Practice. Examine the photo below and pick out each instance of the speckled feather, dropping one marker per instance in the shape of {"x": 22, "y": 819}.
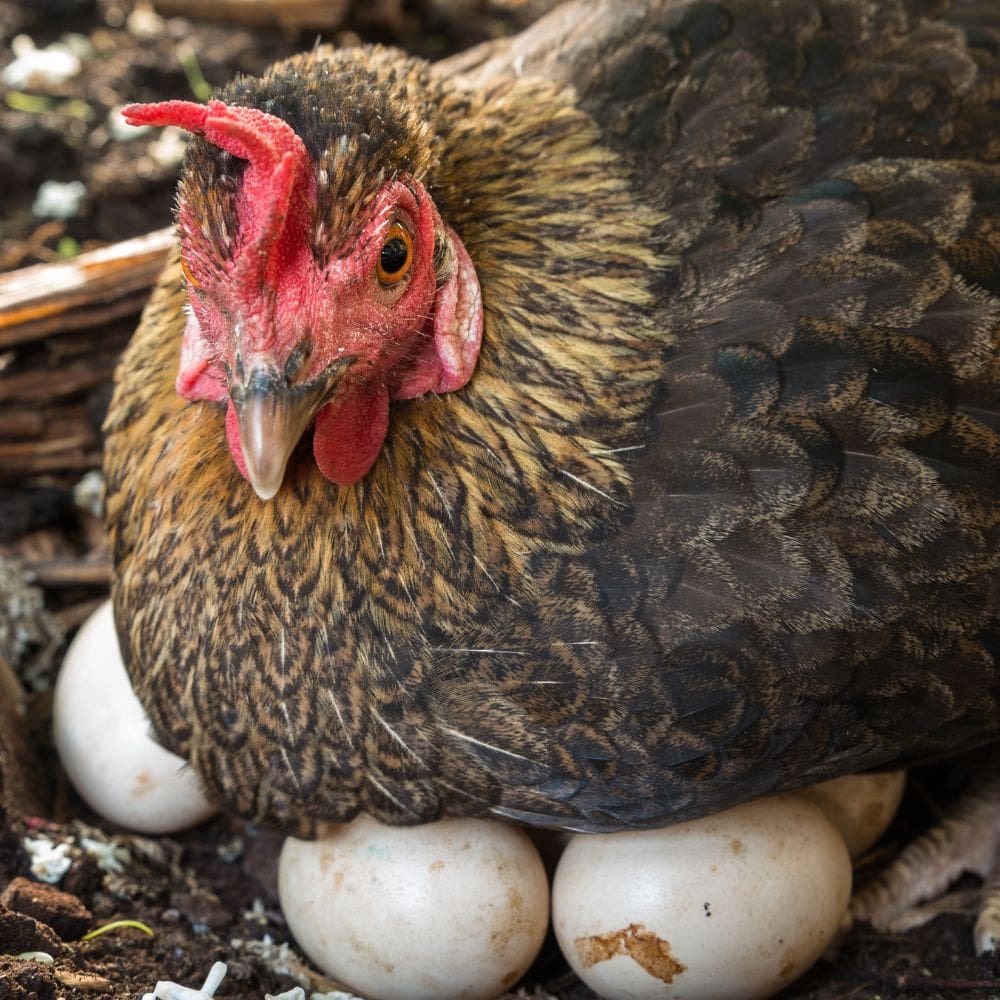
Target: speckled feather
{"x": 718, "y": 512}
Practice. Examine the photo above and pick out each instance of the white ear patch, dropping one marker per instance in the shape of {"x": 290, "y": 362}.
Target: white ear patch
{"x": 198, "y": 377}
{"x": 458, "y": 332}
{"x": 459, "y": 337}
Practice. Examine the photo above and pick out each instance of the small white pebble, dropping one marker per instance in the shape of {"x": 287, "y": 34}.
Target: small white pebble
{"x": 295, "y": 993}
{"x": 59, "y": 200}
{"x": 39, "y": 69}
{"x": 36, "y": 956}
{"x": 49, "y": 861}
{"x": 88, "y": 493}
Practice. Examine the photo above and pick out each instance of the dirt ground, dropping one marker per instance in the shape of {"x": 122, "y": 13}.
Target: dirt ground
{"x": 209, "y": 894}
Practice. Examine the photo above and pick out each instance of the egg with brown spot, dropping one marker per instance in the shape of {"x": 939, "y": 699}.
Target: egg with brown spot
{"x": 457, "y": 908}
{"x": 737, "y": 904}
{"x": 860, "y": 806}
{"x": 103, "y": 737}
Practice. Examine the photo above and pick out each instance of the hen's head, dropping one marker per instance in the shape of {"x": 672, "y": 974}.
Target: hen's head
{"x": 317, "y": 293}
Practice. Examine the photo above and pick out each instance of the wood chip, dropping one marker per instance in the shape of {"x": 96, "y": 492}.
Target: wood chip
{"x": 68, "y": 572}
{"x": 82, "y": 981}
{"x": 91, "y": 289}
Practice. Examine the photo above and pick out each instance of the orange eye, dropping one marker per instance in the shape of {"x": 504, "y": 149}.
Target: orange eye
{"x": 186, "y": 270}
{"x": 396, "y": 257}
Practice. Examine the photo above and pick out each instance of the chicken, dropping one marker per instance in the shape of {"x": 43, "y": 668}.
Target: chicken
{"x": 597, "y": 431}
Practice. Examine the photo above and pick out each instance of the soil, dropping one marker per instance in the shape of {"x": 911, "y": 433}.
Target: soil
{"x": 209, "y": 894}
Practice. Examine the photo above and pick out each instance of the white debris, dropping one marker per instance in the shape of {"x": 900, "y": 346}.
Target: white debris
{"x": 120, "y": 129}
{"x": 257, "y": 914}
{"x": 541, "y": 994}
{"x": 168, "y": 150}
{"x": 58, "y": 199}
{"x": 39, "y": 69}
{"x": 110, "y": 857}
{"x": 79, "y": 45}
{"x": 279, "y": 958}
{"x": 232, "y": 850}
{"x": 88, "y": 494}
{"x": 24, "y": 625}
{"x": 144, "y": 22}
{"x": 173, "y": 991}
{"x": 49, "y": 861}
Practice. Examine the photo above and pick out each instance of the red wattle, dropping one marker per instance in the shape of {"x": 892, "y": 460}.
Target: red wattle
{"x": 349, "y": 434}
{"x": 234, "y": 442}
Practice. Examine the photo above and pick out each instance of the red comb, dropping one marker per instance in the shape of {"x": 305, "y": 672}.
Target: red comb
{"x": 277, "y": 189}
{"x": 249, "y": 133}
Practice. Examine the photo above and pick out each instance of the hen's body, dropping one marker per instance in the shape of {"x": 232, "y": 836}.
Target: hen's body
{"x": 718, "y": 512}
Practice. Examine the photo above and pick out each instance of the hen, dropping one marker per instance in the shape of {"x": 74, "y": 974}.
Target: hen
{"x": 715, "y": 514}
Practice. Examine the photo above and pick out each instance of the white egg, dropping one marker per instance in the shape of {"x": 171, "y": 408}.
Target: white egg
{"x": 860, "y": 806}
{"x": 735, "y": 905}
{"x": 457, "y": 908}
{"x": 102, "y": 734}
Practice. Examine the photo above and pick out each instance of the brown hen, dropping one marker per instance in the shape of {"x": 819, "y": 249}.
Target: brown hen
{"x": 715, "y": 514}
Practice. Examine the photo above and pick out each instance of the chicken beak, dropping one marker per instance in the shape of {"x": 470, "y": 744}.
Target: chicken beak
{"x": 273, "y": 416}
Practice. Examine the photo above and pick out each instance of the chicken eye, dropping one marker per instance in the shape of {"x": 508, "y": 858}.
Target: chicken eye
{"x": 396, "y": 256}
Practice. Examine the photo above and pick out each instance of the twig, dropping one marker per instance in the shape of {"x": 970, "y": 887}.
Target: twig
{"x": 63, "y": 461}
{"x": 906, "y": 982}
{"x": 31, "y": 386}
{"x": 22, "y": 424}
{"x": 83, "y": 981}
{"x": 94, "y": 288}
{"x": 25, "y": 449}
{"x": 71, "y": 572}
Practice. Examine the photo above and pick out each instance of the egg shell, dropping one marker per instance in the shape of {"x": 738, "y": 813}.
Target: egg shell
{"x": 103, "y": 737}
{"x": 735, "y": 905}
{"x": 456, "y": 908}
{"x": 860, "y": 806}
